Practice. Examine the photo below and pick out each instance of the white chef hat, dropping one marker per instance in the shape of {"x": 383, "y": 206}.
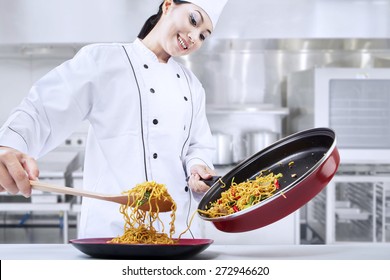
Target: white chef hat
{"x": 213, "y": 8}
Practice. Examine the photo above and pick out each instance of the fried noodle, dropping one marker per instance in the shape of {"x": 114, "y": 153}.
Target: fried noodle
{"x": 139, "y": 225}
{"x": 243, "y": 195}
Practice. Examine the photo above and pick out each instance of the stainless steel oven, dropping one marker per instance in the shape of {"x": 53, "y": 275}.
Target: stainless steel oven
{"x": 355, "y": 102}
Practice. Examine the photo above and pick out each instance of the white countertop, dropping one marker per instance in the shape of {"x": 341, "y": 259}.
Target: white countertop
{"x": 365, "y": 251}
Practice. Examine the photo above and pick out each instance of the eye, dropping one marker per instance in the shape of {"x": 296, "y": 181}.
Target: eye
{"x": 202, "y": 37}
{"x": 193, "y": 20}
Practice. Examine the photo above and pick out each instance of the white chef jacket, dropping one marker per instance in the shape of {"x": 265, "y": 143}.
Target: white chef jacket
{"x": 147, "y": 122}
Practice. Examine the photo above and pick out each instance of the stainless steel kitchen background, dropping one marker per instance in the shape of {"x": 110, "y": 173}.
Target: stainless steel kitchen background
{"x": 244, "y": 70}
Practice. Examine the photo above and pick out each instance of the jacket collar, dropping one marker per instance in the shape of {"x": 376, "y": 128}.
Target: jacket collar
{"x": 144, "y": 51}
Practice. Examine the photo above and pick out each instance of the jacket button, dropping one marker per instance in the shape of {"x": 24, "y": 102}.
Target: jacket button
{"x": 177, "y": 75}
{"x": 186, "y": 189}
{"x": 185, "y": 98}
{"x": 146, "y": 66}
{"x": 155, "y": 121}
{"x": 152, "y": 90}
{"x": 155, "y": 155}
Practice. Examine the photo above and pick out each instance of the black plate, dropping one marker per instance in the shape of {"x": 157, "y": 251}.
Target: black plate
{"x": 99, "y": 248}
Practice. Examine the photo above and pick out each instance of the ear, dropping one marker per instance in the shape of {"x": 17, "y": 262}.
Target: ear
{"x": 166, "y": 5}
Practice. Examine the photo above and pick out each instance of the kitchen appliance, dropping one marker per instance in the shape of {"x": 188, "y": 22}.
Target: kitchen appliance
{"x": 315, "y": 161}
{"x": 99, "y": 248}
{"x": 255, "y": 141}
{"x": 354, "y": 102}
{"x": 223, "y": 143}
{"x": 237, "y": 120}
{"x": 353, "y": 207}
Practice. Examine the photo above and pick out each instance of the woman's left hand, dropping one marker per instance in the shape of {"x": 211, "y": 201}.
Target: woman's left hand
{"x": 200, "y": 172}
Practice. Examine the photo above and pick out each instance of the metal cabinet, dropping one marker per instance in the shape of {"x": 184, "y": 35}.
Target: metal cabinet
{"x": 352, "y": 208}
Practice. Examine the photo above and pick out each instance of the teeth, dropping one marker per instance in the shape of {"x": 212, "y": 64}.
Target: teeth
{"x": 182, "y": 43}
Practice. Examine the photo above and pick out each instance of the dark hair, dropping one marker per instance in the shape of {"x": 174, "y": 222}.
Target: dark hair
{"x": 152, "y": 21}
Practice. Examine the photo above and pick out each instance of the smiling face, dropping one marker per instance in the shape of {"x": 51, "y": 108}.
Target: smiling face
{"x": 181, "y": 30}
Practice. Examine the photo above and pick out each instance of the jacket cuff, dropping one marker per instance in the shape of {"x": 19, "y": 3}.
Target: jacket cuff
{"x": 10, "y": 138}
{"x": 195, "y": 161}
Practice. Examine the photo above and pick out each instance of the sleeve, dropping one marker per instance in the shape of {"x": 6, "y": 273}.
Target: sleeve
{"x": 54, "y": 107}
{"x": 201, "y": 147}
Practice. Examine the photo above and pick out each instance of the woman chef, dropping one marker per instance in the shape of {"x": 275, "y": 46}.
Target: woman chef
{"x": 146, "y": 114}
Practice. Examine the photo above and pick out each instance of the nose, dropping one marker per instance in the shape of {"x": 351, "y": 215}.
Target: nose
{"x": 190, "y": 37}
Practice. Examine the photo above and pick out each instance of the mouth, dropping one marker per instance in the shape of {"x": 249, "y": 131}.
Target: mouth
{"x": 182, "y": 43}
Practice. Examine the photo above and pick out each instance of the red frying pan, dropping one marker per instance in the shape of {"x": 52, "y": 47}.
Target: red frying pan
{"x": 316, "y": 160}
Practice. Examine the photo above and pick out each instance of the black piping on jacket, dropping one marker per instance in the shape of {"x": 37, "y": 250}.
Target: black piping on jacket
{"x": 141, "y": 115}
{"x": 185, "y": 142}
{"x": 192, "y": 114}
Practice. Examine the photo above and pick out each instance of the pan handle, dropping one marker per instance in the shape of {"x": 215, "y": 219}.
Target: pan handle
{"x": 208, "y": 182}
{"x": 211, "y": 181}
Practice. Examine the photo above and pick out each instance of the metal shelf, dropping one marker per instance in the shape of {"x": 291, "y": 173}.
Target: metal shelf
{"x": 365, "y": 200}
{"x": 48, "y": 208}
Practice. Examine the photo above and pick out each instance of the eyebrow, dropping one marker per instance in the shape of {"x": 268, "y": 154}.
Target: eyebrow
{"x": 201, "y": 16}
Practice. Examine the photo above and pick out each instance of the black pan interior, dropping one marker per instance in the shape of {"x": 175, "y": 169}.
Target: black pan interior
{"x": 304, "y": 151}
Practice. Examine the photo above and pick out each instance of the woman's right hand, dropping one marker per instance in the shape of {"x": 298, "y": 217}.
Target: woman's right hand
{"x": 16, "y": 169}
